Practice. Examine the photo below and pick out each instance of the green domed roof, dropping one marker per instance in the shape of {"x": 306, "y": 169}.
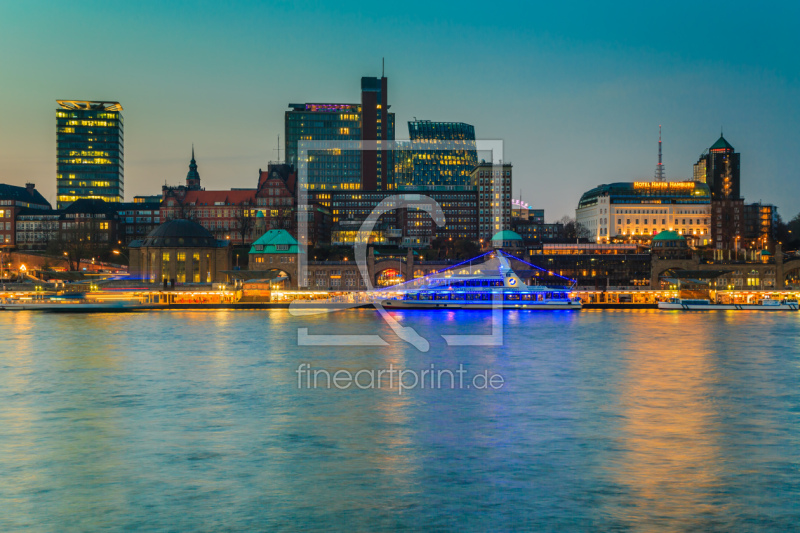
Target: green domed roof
{"x": 506, "y": 235}
{"x": 180, "y": 233}
{"x": 668, "y": 236}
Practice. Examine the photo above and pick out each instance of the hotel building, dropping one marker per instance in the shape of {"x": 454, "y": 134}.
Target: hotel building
{"x": 89, "y": 151}
{"x": 645, "y": 208}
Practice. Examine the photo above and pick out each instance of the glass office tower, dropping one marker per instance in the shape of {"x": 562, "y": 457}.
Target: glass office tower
{"x": 327, "y": 169}
{"x": 439, "y": 153}
{"x": 89, "y": 151}
{"x": 340, "y": 168}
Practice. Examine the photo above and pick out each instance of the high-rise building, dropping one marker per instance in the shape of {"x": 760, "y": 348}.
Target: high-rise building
{"x": 369, "y": 125}
{"x": 439, "y": 153}
{"x": 333, "y": 169}
{"x": 493, "y": 185}
{"x": 89, "y": 151}
{"x": 377, "y": 125}
{"x": 719, "y": 168}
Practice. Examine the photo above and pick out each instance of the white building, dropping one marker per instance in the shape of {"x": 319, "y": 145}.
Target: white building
{"x": 646, "y": 208}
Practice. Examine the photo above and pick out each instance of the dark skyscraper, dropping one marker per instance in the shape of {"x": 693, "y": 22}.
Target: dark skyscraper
{"x": 719, "y": 168}
{"x": 89, "y": 151}
{"x": 377, "y": 125}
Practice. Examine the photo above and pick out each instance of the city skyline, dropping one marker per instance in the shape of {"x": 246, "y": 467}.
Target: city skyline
{"x": 602, "y": 92}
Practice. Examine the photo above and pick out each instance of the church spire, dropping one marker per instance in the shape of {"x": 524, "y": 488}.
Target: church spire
{"x": 193, "y": 177}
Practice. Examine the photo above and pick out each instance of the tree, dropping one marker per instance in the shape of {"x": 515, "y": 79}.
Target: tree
{"x": 573, "y": 230}
{"x": 182, "y": 211}
{"x": 445, "y": 248}
{"x": 81, "y": 239}
{"x": 243, "y": 222}
{"x": 789, "y": 233}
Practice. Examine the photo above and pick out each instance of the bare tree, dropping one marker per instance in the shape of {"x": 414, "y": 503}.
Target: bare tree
{"x": 574, "y": 230}
{"x": 243, "y": 221}
{"x": 82, "y": 239}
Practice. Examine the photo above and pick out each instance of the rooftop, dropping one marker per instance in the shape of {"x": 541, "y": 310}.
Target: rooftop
{"x": 649, "y": 192}
{"x": 668, "y": 236}
{"x": 106, "y": 105}
{"x": 721, "y": 144}
{"x": 506, "y": 235}
{"x": 275, "y": 241}
{"x": 22, "y": 194}
{"x": 178, "y": 234}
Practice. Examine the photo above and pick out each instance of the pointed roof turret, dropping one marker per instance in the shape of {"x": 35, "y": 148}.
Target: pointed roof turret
{"x": 193, "y": 177}
{"x": 721, "y": 144}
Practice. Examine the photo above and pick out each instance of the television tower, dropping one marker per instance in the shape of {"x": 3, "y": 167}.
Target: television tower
{"x": 661, "y": 175}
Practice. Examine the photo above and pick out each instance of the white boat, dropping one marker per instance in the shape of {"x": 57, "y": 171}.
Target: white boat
{"x": 68, "y": 306}
{"x": 489, "y": 289}
{"x": 764, "y": 304}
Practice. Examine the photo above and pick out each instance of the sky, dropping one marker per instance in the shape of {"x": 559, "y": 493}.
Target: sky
{"x": 576, "y": 91}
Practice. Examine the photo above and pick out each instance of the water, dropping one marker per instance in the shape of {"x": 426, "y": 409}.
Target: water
{"x": 623, "y": 421}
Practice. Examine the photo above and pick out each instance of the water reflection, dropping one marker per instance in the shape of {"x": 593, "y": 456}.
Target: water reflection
{"x": 670, "y": 460}
{"x": 194, "y": 421}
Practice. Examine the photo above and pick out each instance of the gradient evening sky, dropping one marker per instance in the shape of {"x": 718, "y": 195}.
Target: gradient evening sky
{"x": 576, "y": 91}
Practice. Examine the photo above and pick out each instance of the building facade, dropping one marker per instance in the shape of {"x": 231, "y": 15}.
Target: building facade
{"x": 493, "y": 185}
{"x": 626, "y": 211}
{"x": 438, "y": 154}
{"x": 37, "y": 228}
{"x": 377, "y": 134}
{"x": 180, "y": 251}
{"x": 760, "y": 226}
{"x": 89, "y": 151}
{"x": 718, "y": 167}
{"x": 369, "y": 125}
{"x": 333, "y": 169}
{"x": 137, "y": 220}
{"x": 412, "y": 226}
{"x": 14, "y": 200}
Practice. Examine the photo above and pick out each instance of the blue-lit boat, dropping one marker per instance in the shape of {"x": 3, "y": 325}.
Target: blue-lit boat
{"x": 486, "y": 289}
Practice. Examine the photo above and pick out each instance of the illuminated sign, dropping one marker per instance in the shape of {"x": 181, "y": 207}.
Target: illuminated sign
{"x": 659, "y": 185}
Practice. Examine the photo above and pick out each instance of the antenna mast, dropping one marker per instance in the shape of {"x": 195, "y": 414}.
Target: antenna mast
{"x": 661, "y": 174}
{"x": 279, "y": 148}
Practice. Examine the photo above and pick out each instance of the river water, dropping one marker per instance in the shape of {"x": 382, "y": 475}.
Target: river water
{"x": 604, "y": 420}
